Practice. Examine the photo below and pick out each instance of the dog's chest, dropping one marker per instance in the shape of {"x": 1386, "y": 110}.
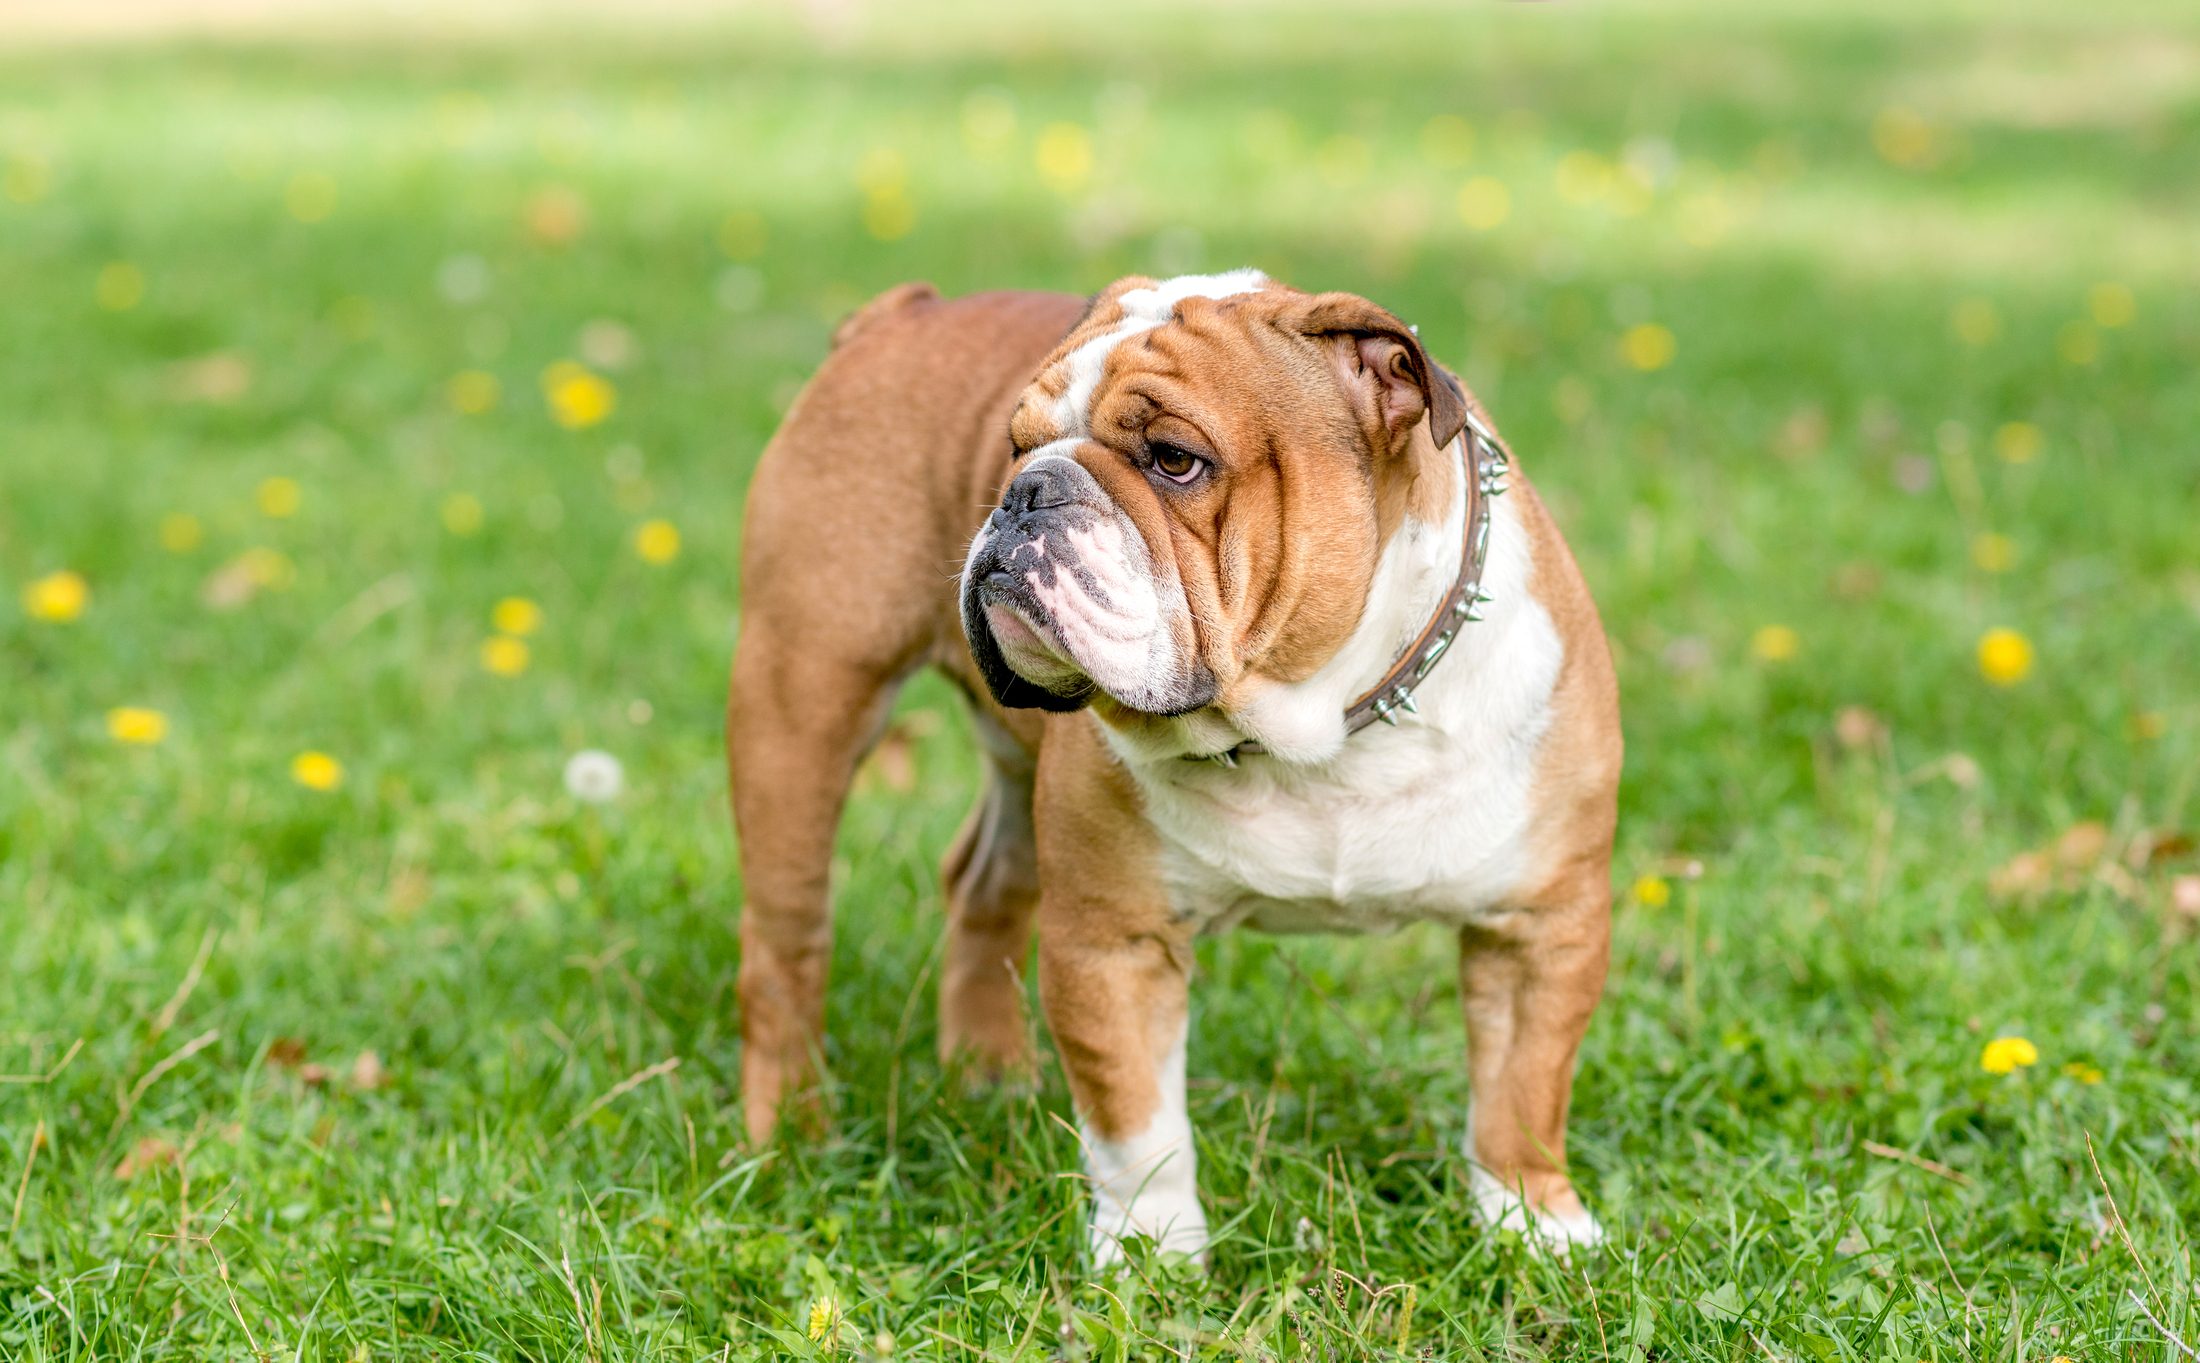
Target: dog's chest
{"x": 1428, "y": 821}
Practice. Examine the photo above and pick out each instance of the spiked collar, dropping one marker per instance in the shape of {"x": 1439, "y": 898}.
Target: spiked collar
{"x": 1393, "y": 695}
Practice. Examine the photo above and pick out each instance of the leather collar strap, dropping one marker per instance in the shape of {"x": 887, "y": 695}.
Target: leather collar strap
{"x": 1393, "y": 695}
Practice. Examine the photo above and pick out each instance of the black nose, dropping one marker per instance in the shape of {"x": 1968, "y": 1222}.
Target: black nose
{"x": 1041, "y": 486}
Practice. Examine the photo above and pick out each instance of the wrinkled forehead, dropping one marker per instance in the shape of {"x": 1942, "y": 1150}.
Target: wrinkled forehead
{"x": 1058, "y": 404}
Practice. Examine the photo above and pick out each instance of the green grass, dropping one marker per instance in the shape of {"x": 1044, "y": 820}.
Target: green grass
{"x": 186, "y": 934}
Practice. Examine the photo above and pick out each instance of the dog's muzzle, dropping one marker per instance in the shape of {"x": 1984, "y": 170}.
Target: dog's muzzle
{"x": 1060, "y": 599}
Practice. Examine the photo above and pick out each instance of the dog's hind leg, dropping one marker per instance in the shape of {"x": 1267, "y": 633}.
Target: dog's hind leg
{"x": 799, "y": 720}
{"x": 991, "y": 880}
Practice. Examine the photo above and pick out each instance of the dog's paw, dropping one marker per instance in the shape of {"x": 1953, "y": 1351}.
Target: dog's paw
{"x": 1173, "y": 1225}
{"x": 1558, "y": 1232}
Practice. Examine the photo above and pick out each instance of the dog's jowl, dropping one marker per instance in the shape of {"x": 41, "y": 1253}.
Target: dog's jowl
{"x": 1262, "y": 626}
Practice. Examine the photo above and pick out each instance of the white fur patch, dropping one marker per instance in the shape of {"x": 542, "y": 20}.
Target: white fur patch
{"x": 1502, "y": 1208}
{"x": 1143, "y": 310}
{"x": 1148, "y": 1183}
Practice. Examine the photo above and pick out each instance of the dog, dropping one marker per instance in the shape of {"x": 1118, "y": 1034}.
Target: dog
{"x": 1260, "y": 626}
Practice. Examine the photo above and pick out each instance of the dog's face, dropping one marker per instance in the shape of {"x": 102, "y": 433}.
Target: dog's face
{"x": 1206, "y": 470}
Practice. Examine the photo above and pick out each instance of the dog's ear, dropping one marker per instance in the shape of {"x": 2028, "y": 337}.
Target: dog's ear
{"x": 1384, "y": 369}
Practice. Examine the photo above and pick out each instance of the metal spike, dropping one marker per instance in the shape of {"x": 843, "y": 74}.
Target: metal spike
{"x": 1493, "y": 486}
{"x": 1384, "y": 712}
{"x": 1436, "y": 650}
{"x": 1406, "y": 702}
{"x": 1482, "y": 597}
{"x": 1474, "y": 611}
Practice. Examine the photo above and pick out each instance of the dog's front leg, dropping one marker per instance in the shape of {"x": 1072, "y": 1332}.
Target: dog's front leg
{"x": 1114, "y": 979}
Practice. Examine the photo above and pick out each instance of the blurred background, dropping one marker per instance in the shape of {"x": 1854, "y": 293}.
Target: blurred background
{"x": 378, "y": 387}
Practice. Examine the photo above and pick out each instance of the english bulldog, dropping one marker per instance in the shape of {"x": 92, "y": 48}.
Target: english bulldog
{"x": 1261, "y": 626}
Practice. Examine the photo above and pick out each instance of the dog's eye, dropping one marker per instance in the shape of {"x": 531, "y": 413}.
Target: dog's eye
{"x": 1176, "y": 465}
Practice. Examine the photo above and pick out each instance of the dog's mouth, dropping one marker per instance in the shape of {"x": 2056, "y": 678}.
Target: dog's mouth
{"x": 1013, "y": 640}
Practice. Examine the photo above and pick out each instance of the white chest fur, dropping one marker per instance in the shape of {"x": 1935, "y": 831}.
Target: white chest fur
{"x": 1428, "y": 820}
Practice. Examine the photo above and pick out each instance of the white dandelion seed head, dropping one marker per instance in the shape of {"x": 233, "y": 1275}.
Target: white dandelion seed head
{"x": 595, "y": 776}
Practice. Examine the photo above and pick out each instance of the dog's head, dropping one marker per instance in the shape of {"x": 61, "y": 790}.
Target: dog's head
{"x": 1205, "y": 472}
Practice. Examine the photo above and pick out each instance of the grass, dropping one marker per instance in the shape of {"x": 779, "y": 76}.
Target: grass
{"x": 1781, "y": 1112}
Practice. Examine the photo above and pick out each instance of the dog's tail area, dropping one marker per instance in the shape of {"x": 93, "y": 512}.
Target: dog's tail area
{"x": 893, "y": 300}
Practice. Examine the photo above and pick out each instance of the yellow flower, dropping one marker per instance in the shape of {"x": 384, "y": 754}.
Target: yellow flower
{"x": 1775, "y": 644}
{"x": 269, "y": 568}
{"x": 316, "y": 771}
{"x": 2004, "y": 657}
{"x": 742, "y": 235}
{"x": 1903, "y": 138}
{"x": 1064, "y": 156}
{"x": 2083, "y": 1073}
{"x": 823, "y": 1316}
{"x": 2112, "y": 305}
{"x": 1484, "y": 202}
{"x": 2079, "y": 343}
{"x": 180, "y": 532}
{"x": 516, "y": 615}
{"x": 1647, "y": 346}
{"x": 1975, "y": 322}
{"x": 120, "y": 286}
{"x": 278, "y": 498}
{"x": 27, "y": 180}
{"x": 1993, "y": 553}
{"x": 2147, "y": 725}
{"x": 578, "y": 398}
{"x": 472, "y": 392}
{"x": 888, "y": 214}
{"x": 504, "y": 655}
{"x": 657, "y": 541}
{"x": 310, "y": 196}
{"x": 1653, "y": 892}
{"x": 135, "y": 724}
{"x": 2018, "y": 442}
{"x": 2008, "y": 1054}
{"x": 461, "y": 512}
{"x": 1447, "y": 140}
{"x": 57, "y": 597}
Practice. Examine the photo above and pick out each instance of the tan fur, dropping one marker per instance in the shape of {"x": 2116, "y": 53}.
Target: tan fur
{"x": 860, "y": 513}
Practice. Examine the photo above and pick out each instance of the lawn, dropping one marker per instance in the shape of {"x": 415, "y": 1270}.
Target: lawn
{"x": 1852, "y": 346}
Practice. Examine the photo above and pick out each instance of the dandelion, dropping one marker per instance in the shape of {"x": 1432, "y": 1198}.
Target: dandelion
{"x": 180, "y": 532}
{"x": 461, "y": 513}
{"x": 1484, "y": 203}
{"x": 136, "y": 725}
{"x": 1652, "y": 892}
{"x": 516, "y": 616}
{"x": 1064, "y": 157}
{"x": 1903, "y": 138}
{"x": 27, "y": 180}
{"x": 742, "y": 235}
{"x": 1447, "y": 140}
{"x": 824, "y": 1315}
{"x": 1775, "y": 644}
{"x": 2112, "y": 305}
{"x": 278, "y": 498}
{"x": 1583, "y": 177}
{"x": 2146, "y": 726}
{"x": 2018, "y": 442}
{"x": 2004, "y": 657}
{"x": 578, "y": 398}
{"x": 2083, "y": 1073}
{"x": 1647, "y": 347}
{"x": 2079, "y": 344}
{"x": 119, "y": 287}
{"x": 1993, "y": 553}
{"x": 1975, "y": 322}
{"x": 657, "y": 541}
{"x": 316, "y": 771}
{"x": 504, "y": 655}
{"x": 595, "y": 776}
{"x": 472, "y": 392}
{"x": 268, "y": 568}
{"x": 2007, "y": 1055}
{"x": 57, "y": 597}
{"x": 888, "y": 214}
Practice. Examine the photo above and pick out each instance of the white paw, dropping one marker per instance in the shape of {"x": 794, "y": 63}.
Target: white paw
{"x": 1174, "y": 1222}
{"x": 1553, "y": 1232}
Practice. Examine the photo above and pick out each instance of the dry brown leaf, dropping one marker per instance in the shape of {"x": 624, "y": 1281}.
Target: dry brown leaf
{"x": 2152, "y": 845}
{"x": 2026, "y": 874}
{"x": 286, "y": 1052}
{"x": 2081, "y": 845}
{"x": 223, "y": 376}
{"x": 367, "y": 1072}
{"x": 1857, "y": 726}
{"x": 151, "y": 1152}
